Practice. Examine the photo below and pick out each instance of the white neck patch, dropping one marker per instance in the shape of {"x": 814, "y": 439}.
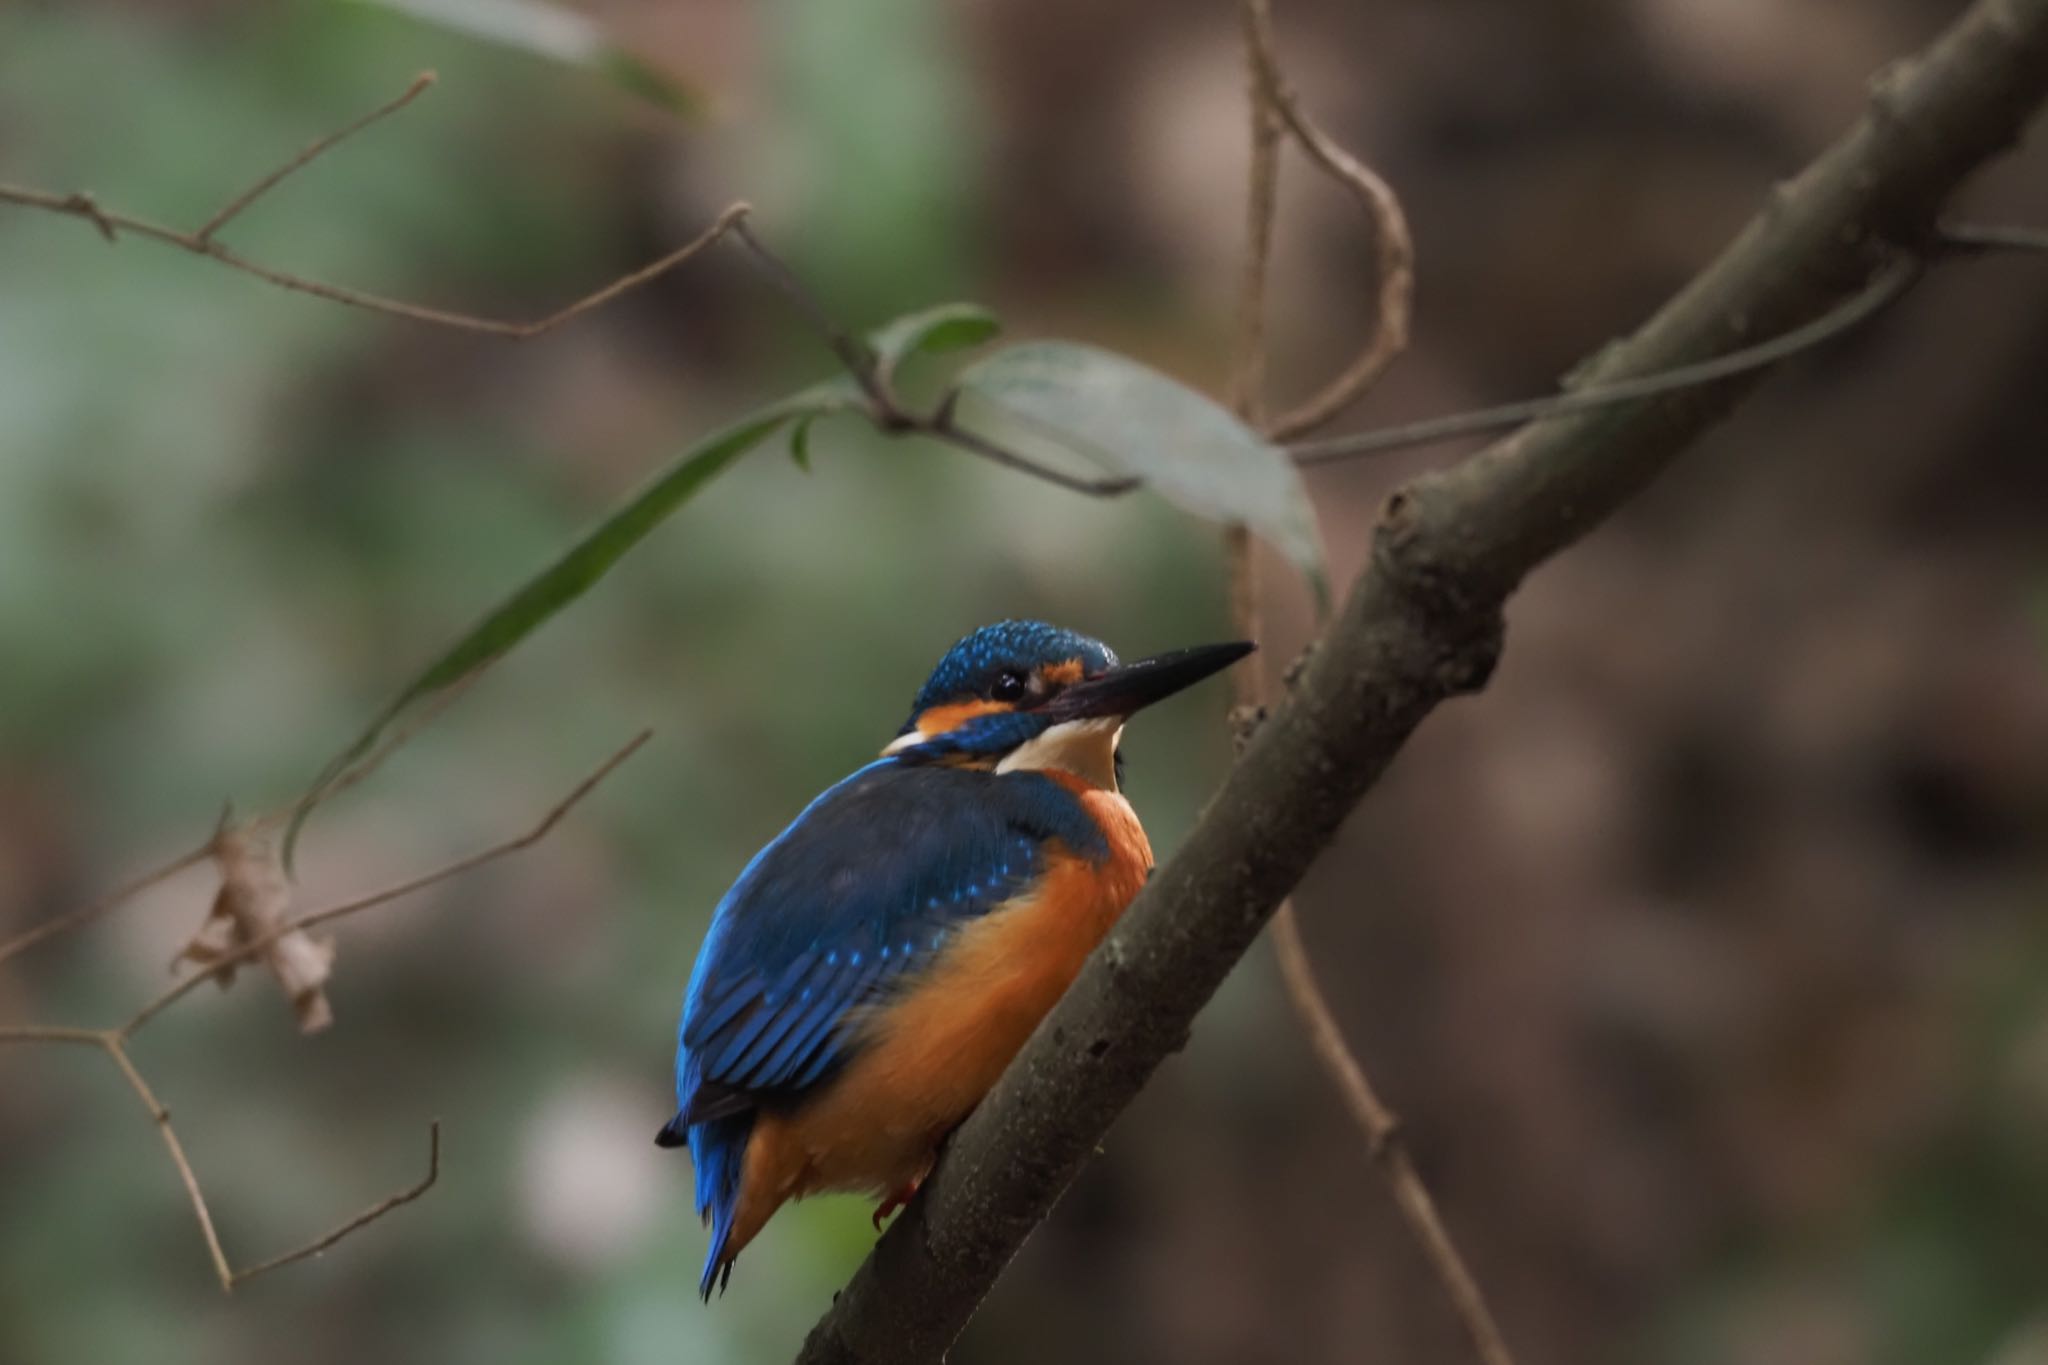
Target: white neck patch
{"x": 1085, "y": 748}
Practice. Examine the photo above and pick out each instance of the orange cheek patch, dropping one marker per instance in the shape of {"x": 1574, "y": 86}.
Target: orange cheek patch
{"x": 940, "y": 720}
{"x": 1068, "y": 671}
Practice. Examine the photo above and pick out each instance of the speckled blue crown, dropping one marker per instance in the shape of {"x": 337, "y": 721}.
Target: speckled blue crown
{"x": 971, "y": 666}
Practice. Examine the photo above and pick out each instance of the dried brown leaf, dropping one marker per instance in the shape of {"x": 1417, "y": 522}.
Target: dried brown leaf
{"x": 252, "y": 904}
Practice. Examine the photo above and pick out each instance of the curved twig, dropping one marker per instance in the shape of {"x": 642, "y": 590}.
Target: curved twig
{"x": 205, "y": 242}
{"x": 362, "y": 1220}
{"x": 250, "y": 948}
{"x": 1297, "y": 975}
{"x": 1395, "y": 264}
{"x": 1883, "y": 289}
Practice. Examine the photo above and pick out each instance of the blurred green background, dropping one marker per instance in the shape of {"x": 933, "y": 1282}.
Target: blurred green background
{"x": 1704, "y": 954}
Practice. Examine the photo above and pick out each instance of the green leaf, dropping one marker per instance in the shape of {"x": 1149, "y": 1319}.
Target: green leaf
{"x": 948, "y": 327}
{"x": 567, "y": 579}
{"x": 554, "y": 33}
{"x": 800, "y": 443}
{"x": 1067, "y": 399}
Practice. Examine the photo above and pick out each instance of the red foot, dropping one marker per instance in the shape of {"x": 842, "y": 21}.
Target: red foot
{"x": 896, "y": 1201}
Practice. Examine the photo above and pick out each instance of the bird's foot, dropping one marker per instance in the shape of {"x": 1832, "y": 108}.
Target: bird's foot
{"x": 896, "y": 1201}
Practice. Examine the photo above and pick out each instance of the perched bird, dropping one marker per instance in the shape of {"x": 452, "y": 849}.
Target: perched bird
{"x": 875, "y": 968}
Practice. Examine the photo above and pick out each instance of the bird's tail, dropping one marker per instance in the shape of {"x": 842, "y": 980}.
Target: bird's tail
{"x": 717, "y": 1149}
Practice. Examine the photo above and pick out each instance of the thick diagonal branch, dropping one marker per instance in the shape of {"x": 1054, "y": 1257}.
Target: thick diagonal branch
{"x": 1422, "y": 624}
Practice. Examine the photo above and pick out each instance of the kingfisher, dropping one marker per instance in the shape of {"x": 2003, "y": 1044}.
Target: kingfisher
{"x": 877, "y": 965}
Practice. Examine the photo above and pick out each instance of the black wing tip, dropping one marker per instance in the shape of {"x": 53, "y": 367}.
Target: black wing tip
{"x": 674, "y": 1133}
{"x": 718, "y": 1273}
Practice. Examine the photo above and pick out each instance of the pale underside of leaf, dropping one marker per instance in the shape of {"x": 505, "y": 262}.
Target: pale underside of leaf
{"x": 1057, "y": 398}
{"x": 555, "y": 33}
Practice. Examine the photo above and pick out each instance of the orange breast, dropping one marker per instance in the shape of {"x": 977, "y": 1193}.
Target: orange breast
{"x": 933, "y": 1053}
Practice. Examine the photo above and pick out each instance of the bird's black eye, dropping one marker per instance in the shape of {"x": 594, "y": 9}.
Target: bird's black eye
{"x": 1009, "y": 687}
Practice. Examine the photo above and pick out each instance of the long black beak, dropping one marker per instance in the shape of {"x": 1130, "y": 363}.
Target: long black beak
{"x": 1131, "y": 687}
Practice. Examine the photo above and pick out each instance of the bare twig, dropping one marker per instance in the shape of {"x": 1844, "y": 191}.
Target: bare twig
{"x": 1304, "y": 993}
{"x": 250, "y": 948}
{"x": 204, "y": 242}
{"x": 882, "y": 405}
{"x": 233, "y": 208}
{"x": 1383, "y": 1133}
{"x": 856, "y": 355}
{"x": 941, "y": 425}
{"x": 186, "y": 1175}
{"x": 113, "y": 900}
{"x": 1992, "y": 237}
{"x": 81, "y": 205}
{"x": 52, "y": 1033}
{"x": 362, "y": 1220}
{"x": 1883, "y": 289}
{"x": 884, "y": 409}
{"x": 114, "y": 1041}
{"x": 1395, "y": 249}
{"x": 1247, "y": 393}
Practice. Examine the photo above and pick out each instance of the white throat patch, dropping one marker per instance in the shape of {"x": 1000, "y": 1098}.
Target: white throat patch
{"x": 1086, "y": 748}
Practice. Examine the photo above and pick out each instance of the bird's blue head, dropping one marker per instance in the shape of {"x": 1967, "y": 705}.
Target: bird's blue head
{"x": 1025, "y": 694}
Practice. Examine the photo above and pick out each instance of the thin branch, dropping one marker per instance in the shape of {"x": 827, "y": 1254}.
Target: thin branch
{"x": 234, "y": 207}
{"x": 252, "y": 947}
{"x": 113, "y": 900}
{"x": 1883, "y": 289}
{"x": 1423, "y": 623}
{"x": 1297, "y": 974}
{"x": 941, "y": 425}
{"x": 362, "y": 1220}
{"x": 1992, "y": 237}
{"x": 1262, "y": 205}
{"x": 1395, "y": 248}
{"x": 1384, "y": 1141}
{"x": 52, "y": 1033}
{"x": 859, "y": 360}
{"x": 855, "y": 355}
{"x": 205, "y": 242}
{"x": 884, "y": 409}
{"x": 114, "y": 1041}
{"x": 186, "y": 1175}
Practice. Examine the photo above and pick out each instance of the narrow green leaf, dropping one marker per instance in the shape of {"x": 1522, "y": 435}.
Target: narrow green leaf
{"x": 1071, "y": 399}
{"x": 800, "y": 443}
{"x": 555, "y": 33}
{"x": 562, "y": 582}
{"x": 947, "y": 327}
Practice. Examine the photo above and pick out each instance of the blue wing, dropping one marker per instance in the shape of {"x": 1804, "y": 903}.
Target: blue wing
{"x": 855, "y": 897}
{"x": 846, "y": 905}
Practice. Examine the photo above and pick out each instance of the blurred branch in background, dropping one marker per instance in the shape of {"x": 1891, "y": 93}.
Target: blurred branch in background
{"x": 1948, "y": 242}
{"x": 1423, "y": 624}
{"x": 204, "y": 242}
{"x": 1394, "y": 266}
{"x": 247, "y": 922}
{"x": 1274, "y": 106}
